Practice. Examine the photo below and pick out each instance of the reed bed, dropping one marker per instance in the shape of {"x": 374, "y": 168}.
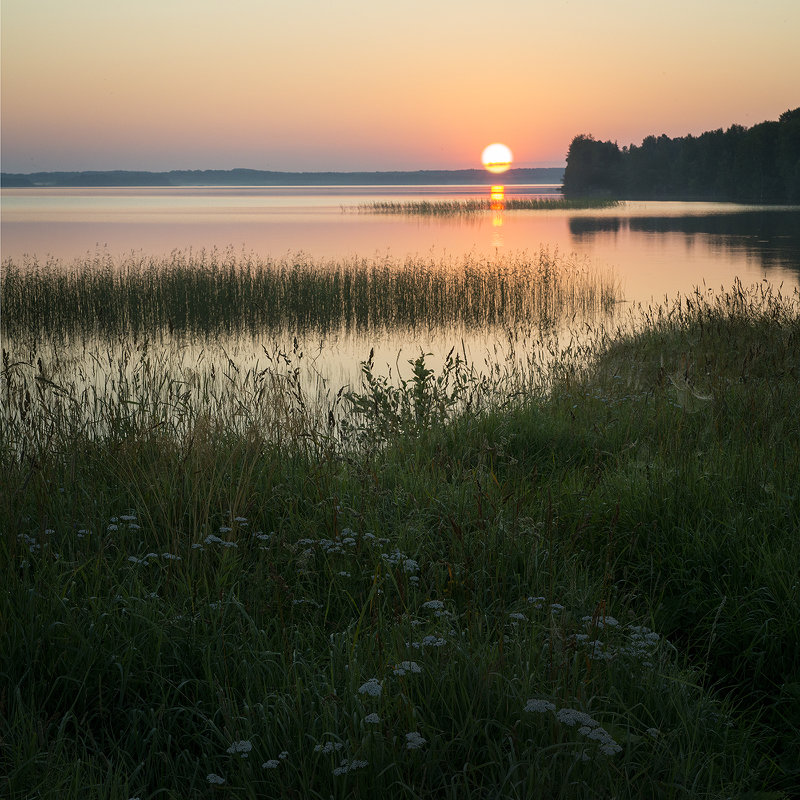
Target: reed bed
{"x": 212, "y": 293}
{"x": 478, "y": 206}
{"x": 589, "y": 590}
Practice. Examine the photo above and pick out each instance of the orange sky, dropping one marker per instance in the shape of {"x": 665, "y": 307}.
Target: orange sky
{"x": 358, "y": 84}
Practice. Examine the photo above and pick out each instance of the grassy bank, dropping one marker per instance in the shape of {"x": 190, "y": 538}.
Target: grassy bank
{"x": 476, "y": 206}
{"x": 586, "y": 593}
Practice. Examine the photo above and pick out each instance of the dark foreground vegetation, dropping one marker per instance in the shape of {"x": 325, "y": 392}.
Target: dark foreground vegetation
{"x": 759, "y": 164}
{"x": 587, "y": 590}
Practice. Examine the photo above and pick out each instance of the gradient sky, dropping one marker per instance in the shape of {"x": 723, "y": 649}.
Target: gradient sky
{"x": 372, "y": 85}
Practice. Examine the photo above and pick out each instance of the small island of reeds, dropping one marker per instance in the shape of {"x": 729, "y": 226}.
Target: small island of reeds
{"x": 478, "y": 206}
{"x": 574, "y": 577}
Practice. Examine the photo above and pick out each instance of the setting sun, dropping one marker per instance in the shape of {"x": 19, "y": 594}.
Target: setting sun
{"x": 496, "y": 158}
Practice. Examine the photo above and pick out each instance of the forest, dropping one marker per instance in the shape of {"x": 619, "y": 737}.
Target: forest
{"x": 759, "y": 164}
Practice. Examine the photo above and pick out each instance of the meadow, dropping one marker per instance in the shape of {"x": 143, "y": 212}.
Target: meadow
{"x": 574, "y": 575}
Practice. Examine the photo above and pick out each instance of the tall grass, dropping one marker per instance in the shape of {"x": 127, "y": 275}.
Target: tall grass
{"x": 586, "y": 591}
{"x": 210, "y": 293}
{"x": 476, "y": 206}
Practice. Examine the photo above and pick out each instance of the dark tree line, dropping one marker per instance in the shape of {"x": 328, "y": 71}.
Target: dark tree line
{"x": 758, "y": 164}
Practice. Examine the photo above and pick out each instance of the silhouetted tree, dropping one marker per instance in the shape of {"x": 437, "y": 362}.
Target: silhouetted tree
{"x": 593, "y": 167}
{"x": 759, "y": 164}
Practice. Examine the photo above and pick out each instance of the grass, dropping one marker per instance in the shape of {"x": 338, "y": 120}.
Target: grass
{"x": 213, "y": 293}
{"x": 589, "y": 591}
{"x": 476, "y": 206}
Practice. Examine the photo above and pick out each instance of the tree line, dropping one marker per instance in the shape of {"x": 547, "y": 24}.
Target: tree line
{"x": 758, "y": 164}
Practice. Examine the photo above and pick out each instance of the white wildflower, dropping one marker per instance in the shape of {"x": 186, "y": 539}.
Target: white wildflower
{"x": 517, "y": 616}
{"x": 346, "y": 766}
{"x": 372, "y": 719}
{"x": 434, "y": 605}
{"x": 571, "y": 717}
{"x": 273, "y": 763}
{"x": 406, "y": 666}
{"x": 540, "y": 706}
{"x": 414, "y": 741}
{"x": 217, "y": 779}
{"x": 601, "y": 622}
{"x": 243, "y": 746}
{"x": 372, "y": 687}
{"x": 654, "y": 733}
{"x": 328, "y": 747}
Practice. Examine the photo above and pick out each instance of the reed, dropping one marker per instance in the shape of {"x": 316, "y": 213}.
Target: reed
{"x": 213, "y": 293}
{"x": 479, "y": 206}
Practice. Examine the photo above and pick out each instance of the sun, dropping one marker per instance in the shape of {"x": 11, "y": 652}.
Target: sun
{"x": 496, "y": 158}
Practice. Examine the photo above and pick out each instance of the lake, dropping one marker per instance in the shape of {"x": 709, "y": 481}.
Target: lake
{"x": 651, "y": 250}
{"x": 654, "y": 248}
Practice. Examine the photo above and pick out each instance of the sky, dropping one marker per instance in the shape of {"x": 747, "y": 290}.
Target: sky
{"x": 306, "y": 85}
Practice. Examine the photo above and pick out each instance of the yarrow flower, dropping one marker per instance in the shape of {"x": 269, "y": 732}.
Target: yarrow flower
{"x": 608, "y": 746}
{"x": 540, "y": 706}
{"x": 328, "y": 747}
{"x": 372, "y": 719}
{"x": 414, "y": 741}
{"x": 244, "y": 747}
{"x": 571, "y": 717}
{"x": 215, "y": 779}
{"x": 406, "y": 666}
{"x": 372, "y": 687}
{"x": 347, "y": 766}
{"x": 601, "y": 622}
{"x": 433, "y": 604}
{"x": 589, "y": 728}
{"x": 273, "y": 763}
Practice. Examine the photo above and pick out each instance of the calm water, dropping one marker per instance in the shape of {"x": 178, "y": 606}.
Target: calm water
{"x": 654, "y": 249}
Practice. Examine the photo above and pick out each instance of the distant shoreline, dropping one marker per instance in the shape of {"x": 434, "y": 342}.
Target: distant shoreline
{"x": 255, "y": 177}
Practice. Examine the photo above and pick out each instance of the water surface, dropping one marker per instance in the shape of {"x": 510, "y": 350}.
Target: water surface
{"x": 654, "y": 249}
